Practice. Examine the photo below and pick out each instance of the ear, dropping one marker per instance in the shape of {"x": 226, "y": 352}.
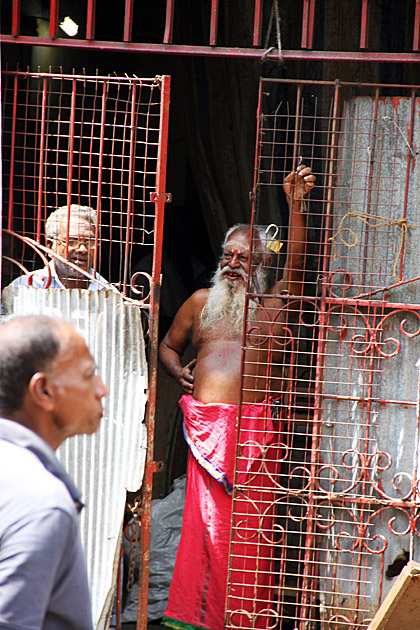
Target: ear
{"x": 49, "y": 244}
{"x": 40, "y": 391}
{"x": 268, "y": 261}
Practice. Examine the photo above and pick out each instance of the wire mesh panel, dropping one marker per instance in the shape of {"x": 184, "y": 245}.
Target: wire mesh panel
{"x": 84, "y": 140}
{"x": 326, "y": 494}
{"x": 95, "y": 149}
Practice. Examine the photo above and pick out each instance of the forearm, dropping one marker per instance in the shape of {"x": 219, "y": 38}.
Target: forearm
{"x": 170, "y": 360}
{"x": 296, "y": 185}
{"x": 296, "y": 248}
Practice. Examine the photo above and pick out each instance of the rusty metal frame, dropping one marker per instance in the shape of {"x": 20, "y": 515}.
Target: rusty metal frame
{"x": 375, "y": 502}
{"x": 158, "y": 198}
{"x": 216, "y": 51}
{"x": 161, "y": 198}
{"x": 126, "y": 44}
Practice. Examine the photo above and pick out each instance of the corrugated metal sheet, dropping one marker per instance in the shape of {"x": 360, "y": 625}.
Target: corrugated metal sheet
{"x": 369, "y": 437}
{"x": 106, "y": 464}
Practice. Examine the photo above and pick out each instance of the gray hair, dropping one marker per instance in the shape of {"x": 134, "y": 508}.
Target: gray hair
{"x": 56, "y": 218}
{"x": 260, "y": 279}
{"x": 261, "y": 232}
{"x": 32, "y": 348}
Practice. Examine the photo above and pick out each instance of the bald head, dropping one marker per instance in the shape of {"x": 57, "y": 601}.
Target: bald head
{"x": 48, "y": 380}
{"x": 27, "y": 345}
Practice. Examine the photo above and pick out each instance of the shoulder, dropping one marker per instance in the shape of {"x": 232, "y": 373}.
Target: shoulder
{"x": 39, "y": 276}
{"x": 23, "y": 474}
{"x": 18, "y": 282}
{"x": 278, "y": 288}
{"x": 199, "y": 298}
{"x": 195, "y": 303}
{"x": 186, "y": 319}
{"x": 98, "y": 276}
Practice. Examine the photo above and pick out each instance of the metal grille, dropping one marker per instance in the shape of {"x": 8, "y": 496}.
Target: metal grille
{"x": 328, "y": 514}
{"x": 87, "y": 140}
{"x": 101, "y": 142}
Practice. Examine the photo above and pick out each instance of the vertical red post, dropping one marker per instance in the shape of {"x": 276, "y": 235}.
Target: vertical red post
{"x": 130, "y": 195}
{"x": 128, "y": 20}
{"x": 12, "y": 154}
{"x": 100, "y": 171}
{"x": 410, "y": 155}
{"x": 41, "y": 160}
{"x": 364, "y": 27}
{"x": 90, "y": 19}
{"x": 169, "y": 25}
{"x": 319, "y": 379}
{"x": 160, "y": 200}
{"x": 256, "y": 41}
{"x": 70, "y": 157}
{"x": 213, "y": 21}
{"x": 416, "y": 34}
{"x": 54, "y": 8}
{"x": 16, "y": 18}
{"x": 311, "y": 23}
{"x": 308, "y": 17}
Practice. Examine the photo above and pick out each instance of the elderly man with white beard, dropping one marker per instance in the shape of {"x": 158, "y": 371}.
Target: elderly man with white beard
{"x": 212, "y": 320}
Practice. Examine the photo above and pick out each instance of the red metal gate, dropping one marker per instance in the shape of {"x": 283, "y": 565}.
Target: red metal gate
{"x": 337, "y": 519}
{"x": 102, "y": 142}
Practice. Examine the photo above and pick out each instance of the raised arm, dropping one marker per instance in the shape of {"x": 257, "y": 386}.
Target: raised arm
{"x": 296, "y": 185}
{"x": 176, "y": 340}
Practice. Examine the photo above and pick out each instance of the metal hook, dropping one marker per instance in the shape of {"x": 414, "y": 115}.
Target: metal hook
{"x": 268, "y": 228}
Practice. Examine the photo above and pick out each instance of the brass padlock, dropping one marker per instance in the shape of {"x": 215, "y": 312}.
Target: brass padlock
{"x": 274, "y": 245}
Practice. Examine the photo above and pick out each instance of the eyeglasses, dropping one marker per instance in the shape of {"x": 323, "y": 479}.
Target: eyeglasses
{"x": 76, "y": 243}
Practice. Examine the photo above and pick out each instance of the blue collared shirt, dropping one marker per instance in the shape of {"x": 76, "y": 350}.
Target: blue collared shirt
{"x": 40, "y": 276}
{"x": 43, "y": 579}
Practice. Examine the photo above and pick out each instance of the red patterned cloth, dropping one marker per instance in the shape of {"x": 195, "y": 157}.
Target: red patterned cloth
{"x": 198, "y": 590}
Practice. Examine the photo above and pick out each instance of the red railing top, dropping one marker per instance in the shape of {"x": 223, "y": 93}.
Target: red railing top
{"x": 262, "y": 26}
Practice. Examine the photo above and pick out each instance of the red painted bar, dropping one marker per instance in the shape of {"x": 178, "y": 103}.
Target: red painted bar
{"x": 215, "y": 51}
{"x": 305, "y": 16}
{"x": 169, "y": 24}
{"x": 213, "y": 21}
{"x": 90, "y": 19}
{"x": 41, "y": 161}
{"x": 153, "y": 359}
{"x": 128, "y": 20}
{"x": 311, "y": 23}
{"x": 256, "y": 41}
{"x": 16, "y": 18}
{"x": 364, "y": 27}
{"x": 130, "y": 192}
{"x": 410, "y": 134}
{"x": 416, "y": 35}
{"x": 12, "y": 155}
{"x": 54, "y": 8}
{"x": 55, "y": 75}
{"x": 71, "y": 154}
{"x": 100, "y": 171}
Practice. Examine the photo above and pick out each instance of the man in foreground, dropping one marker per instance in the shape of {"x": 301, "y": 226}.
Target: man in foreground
{"x": 212, "y": 320}
{"x": 48, "y": 391}
{"x": 70, "y": 234}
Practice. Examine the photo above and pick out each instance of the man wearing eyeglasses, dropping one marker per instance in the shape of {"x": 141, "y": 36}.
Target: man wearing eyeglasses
{"x": 69, "y": 233}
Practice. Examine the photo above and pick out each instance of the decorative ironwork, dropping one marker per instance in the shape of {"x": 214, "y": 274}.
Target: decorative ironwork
{"x": 338, "y": 507}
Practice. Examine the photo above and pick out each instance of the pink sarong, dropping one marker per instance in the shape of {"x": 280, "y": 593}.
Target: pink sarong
{"x": 197, "y": 594}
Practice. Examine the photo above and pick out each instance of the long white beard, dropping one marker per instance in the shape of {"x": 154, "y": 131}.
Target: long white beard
{"x": 225, "y": 304}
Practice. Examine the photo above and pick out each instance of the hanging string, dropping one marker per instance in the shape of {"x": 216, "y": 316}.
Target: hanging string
{"x": 274, "y": 16}
{"x": 373, "y": 221}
